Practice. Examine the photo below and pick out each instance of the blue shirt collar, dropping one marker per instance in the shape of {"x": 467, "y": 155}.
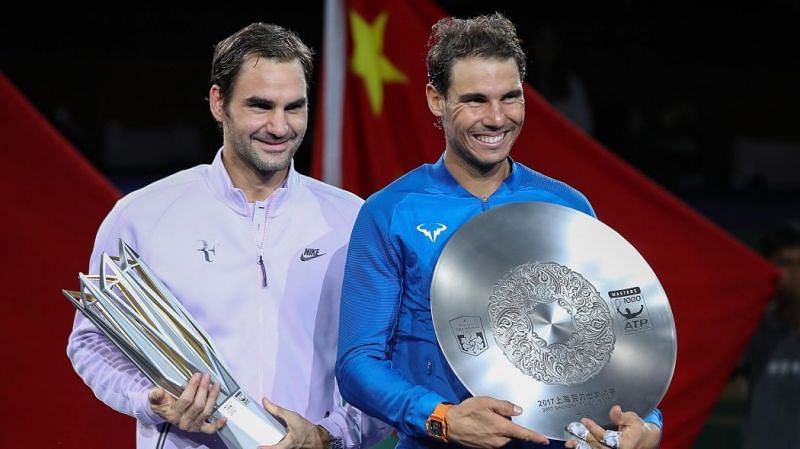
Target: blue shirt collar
{"x": 445, "y": 182}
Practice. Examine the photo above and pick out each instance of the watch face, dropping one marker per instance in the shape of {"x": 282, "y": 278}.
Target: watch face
{"x": 336, "y": 443}
{"x": 435, "y": 428}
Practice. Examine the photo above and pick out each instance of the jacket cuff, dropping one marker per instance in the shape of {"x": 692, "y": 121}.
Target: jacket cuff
{"x": 422, "y": 410}
{"x": 142, "y": 411}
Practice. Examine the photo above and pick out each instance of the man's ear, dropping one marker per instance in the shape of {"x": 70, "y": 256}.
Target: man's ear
{"x": 435, "y": 100}
{"x": 216, "y": 103}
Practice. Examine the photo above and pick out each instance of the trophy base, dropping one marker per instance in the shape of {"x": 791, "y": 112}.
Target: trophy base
{"x": 248, "y": 425}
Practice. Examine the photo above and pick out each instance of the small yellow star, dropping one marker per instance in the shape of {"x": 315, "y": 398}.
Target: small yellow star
{"x": 368, "y": 60}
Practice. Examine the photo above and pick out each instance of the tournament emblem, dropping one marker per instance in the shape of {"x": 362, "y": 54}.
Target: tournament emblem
{"x": 567, "y": 348}
{"x": 469, "y": 333}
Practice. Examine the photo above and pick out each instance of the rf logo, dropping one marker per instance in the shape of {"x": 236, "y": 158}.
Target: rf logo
{"x": 209, "y": 252}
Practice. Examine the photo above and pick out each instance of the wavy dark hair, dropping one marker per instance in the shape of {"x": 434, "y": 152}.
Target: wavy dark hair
{"x": 488, "y": 36}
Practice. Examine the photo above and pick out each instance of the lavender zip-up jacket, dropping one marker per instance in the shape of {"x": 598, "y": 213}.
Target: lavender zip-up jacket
{"x": 203, "y": 240}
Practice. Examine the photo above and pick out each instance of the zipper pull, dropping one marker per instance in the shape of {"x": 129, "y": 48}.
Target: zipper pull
{"x": 263, "y": 269}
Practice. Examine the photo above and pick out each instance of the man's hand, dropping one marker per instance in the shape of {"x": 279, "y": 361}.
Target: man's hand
{"x": 300, "y": 433}
{"x": 485, "y": 423}
{"x": 190, "y": 411}
{"x": 634, "y": 433}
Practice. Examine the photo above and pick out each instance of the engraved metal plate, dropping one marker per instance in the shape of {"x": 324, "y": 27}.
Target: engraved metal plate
{"x": 553, "y": 310}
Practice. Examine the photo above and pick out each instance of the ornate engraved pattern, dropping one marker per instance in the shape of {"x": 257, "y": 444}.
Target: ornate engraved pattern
{"x": 570, "y": 362}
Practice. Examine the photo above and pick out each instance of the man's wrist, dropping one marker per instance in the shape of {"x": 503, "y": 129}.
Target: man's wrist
{"x": 653, "y": 433}
{"x": 436, "y": 424}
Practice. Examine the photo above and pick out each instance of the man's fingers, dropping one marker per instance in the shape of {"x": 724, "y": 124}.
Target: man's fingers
{"x": 185, "y": 399}
{"x": 504, "y": 408}
{"x": 516, "y": 431}
{"x": 212, "y": 427}
{"x": 578, "y": 429}
{"x": 203, "y": 405}
{"x": 594, "y": 429}
{"x": 577, "y": 444}
{"x": 211, "y": 399}
{"x": 192, "y": 407}
{"x": 522, "y": 433}
{"x": 609, "y": 438}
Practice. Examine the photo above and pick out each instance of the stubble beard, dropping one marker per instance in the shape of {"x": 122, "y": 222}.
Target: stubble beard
{"x": 264, "y": 165}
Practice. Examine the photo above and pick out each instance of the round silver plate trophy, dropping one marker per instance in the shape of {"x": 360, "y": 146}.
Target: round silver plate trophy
{"x": 553, "y": 310}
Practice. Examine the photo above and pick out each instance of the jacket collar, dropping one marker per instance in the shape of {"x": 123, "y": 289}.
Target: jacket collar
{"x": 445, "y": 182}
{"x": 235, "y": 198}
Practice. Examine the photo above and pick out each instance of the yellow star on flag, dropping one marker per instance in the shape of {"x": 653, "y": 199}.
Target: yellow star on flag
{"x": 368, "y": 60}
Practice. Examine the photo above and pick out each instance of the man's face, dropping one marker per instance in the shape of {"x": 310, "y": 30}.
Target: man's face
{"x": 788, "y": 260}
{"x": 484, "y": 110}
{"x": 266, "y": 116}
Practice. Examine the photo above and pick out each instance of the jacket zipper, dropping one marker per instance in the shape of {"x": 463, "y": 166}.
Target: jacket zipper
{"x": 260, "y": 246}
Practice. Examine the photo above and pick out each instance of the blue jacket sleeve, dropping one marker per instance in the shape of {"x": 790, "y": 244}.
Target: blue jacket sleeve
{"x": 371, "y": 294}
{"x": 655, "y": 417}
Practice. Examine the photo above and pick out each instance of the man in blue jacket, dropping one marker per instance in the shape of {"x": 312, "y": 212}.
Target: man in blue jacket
{"x": 389, "y": 363}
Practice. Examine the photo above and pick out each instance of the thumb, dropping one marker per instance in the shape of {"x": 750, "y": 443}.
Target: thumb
{"x": 273, "y": 409}
{"x": 157, "y": 396}
{"x": 616, "y": 415}
{"x": 506, "y": 408}
{"x": 281, "y": 414}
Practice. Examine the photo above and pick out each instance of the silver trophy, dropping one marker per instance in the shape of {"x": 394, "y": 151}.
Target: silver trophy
{"x": 555, "y": 311}
{"x": 131, "y": 306}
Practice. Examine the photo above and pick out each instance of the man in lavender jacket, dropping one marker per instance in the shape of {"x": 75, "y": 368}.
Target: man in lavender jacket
{"x": 255, "y": 252}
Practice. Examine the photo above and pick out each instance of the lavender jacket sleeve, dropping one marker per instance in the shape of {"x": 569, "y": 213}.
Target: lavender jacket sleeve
{"x": 108, "y": 372}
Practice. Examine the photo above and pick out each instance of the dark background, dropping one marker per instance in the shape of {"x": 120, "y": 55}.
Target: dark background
{"x": 702, "y": 98}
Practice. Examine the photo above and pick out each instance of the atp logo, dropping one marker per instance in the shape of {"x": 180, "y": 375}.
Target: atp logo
{"x": 431, "y": 231}
{"x": 631, "y": 305}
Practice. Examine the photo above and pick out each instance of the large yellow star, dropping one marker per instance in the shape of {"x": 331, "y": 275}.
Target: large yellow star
{"x": 368, "y": 60}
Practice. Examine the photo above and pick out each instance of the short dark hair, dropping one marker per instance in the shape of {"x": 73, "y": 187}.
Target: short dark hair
{"x": 257, "y": 39}
{"x": 785, "y": 235}
{"x": 488, "y": 36}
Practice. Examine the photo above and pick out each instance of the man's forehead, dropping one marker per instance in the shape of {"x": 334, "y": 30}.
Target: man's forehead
{"x": 479, "y": 73}
{"x": 256, "y": 62}
{"x": 476, "y": 70}
{"x": 259, "y": 75}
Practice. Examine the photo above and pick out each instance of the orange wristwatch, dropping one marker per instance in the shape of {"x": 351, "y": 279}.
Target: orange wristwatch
{"x": 436, "y": 424}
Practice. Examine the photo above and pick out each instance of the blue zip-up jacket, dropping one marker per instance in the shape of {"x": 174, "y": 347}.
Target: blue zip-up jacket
{"x": 389, "y": 363}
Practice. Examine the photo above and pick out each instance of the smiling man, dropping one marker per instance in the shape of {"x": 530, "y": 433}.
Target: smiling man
{"x": 389, "y": 362}
{"x": 232, "y": 240}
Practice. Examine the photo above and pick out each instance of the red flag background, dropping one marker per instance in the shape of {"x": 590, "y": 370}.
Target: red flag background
{"x": 373, "y": 125}
{"x": 52, "y": 205}
{"x": 375, "y": 80}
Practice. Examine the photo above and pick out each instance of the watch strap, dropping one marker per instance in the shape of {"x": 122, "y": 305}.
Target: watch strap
{"x": 436, "y": 424}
